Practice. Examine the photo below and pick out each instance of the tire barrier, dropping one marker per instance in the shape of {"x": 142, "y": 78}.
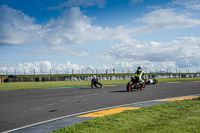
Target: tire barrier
{"x": 14, "y": 78}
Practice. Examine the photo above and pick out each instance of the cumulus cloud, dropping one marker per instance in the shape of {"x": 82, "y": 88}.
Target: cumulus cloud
{"x": 43, "y": 67}
{"x": 46, "y": 67}
{"x": 163, "y": 19}
{"x": 17, "y": 28}
{"x": 74, "y": 27}
{"x": 183, "y": 52}
{"x": 190, "y": 4}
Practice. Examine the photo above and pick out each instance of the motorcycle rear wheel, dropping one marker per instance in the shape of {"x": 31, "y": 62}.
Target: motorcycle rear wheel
{"x": 99, "y": 85}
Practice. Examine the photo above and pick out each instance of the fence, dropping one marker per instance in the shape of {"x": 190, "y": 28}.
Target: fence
{"x": 93, "y": 71}
{"x": 103, "y": 77}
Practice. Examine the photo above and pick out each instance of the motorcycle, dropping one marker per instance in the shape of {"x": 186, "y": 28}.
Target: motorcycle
{"x": 151, "y": 81}
{"x": 135, "y": 84}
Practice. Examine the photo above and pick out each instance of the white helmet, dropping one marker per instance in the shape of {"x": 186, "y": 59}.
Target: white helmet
{"x": 94, "y": 76}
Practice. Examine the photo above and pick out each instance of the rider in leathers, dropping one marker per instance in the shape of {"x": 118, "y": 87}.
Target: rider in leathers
{"x": 139, "y": 75}
{"x": 95, "y": 81}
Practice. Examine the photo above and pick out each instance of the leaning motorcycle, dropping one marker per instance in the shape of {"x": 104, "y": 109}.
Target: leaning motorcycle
{"x": 134, "y": 84}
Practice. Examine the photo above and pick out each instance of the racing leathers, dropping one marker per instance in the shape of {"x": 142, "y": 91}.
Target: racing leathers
{"x": 139, "y": 75}
{"x": 95, "y": 82}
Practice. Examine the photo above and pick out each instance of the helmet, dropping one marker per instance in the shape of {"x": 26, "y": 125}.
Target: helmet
{"x": 94, "y": 76}
{"x": 139, "y": 68}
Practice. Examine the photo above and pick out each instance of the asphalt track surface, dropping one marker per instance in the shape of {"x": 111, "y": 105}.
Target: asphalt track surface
{"x": 24, "y": 107}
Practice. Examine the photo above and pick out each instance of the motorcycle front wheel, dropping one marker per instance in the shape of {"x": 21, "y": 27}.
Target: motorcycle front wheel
{"x": 129, "y": 87}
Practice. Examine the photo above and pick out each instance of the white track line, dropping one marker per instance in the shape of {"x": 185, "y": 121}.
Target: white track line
{"x": 67, "y": 116}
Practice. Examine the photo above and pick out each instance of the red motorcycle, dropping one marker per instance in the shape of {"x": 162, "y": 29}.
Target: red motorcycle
{"x": 135, "y": 84}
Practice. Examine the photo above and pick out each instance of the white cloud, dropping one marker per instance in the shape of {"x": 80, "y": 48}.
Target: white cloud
{"x": 181, "y": 53}
{"x": 190, "y": 4}
{"x": 17, "y": 28}
{"x": 73, "y": 27}
{"x": 43, "y": 67}
{"x": 163, "y": 19}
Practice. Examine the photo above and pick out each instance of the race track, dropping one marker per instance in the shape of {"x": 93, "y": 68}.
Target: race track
{"x": 25, "y": 107}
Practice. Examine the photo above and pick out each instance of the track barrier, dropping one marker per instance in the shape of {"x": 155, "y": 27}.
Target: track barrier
{"x": 14, "y": 78}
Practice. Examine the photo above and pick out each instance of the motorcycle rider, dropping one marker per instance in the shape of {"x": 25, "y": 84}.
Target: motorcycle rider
{"x": 95, "y": 81}
{"x": 139, "y": 75}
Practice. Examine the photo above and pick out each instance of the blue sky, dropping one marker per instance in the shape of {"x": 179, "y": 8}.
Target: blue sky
{"x": 99, "y": 34}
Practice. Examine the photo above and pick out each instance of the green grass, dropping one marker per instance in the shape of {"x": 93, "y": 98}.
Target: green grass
{"x": 172, "y": 117}
{"x": 177, "y": 79}
{"x": 40, "y": 85}
{"x": 54, "y": 84}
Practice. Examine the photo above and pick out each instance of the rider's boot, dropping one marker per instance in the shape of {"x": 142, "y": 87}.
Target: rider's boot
{"x": 142, "y": 85}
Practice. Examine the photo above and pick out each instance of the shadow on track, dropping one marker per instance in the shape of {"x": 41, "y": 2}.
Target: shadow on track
{"x": 118, "y": 91}
{"x": 88, "y": 88}
{"x": 84, "y": 88}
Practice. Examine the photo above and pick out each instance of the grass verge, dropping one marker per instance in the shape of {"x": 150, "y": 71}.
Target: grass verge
{"x": 54, "y": 84}
{"x": 177, "y": 79}
{"x": 171, "y": 117}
